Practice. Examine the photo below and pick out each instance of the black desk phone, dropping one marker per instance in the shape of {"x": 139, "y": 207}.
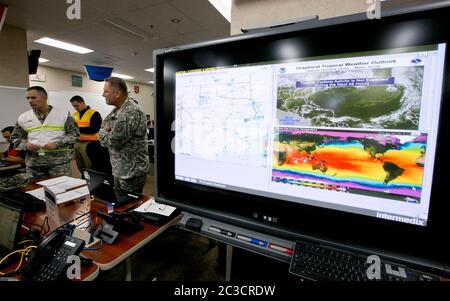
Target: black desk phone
{"x": 49, "y": 261}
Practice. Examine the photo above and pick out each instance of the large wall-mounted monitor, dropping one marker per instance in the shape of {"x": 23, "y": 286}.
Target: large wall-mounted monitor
{"x": 336, "y": 129}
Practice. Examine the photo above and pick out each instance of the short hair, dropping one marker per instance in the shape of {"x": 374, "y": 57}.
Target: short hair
{"x": 77, "y": 98}
{"x": 118, "y": 83}
{"x": 39, "y": 89}
{"x": 8, "y": 129}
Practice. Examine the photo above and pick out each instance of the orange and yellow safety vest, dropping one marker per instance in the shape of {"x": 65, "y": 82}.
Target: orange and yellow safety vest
{"x": 85, "y": 122}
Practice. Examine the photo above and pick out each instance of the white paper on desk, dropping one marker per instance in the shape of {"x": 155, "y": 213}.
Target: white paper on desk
{"x": 154, "y": 207}
{"x": 72, "y": 183}
{"x": 72, "y": 195}
{"x": 53, "y": 181}
{"x": 61, "y": 184}
{"x": 61, "y": 197}
{"x": 55, "y": 189}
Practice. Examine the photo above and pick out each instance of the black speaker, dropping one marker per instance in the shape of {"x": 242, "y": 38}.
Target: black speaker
{"x": 33, "y": 61}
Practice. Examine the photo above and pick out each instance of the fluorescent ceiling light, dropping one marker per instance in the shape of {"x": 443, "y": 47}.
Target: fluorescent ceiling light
{"x": 150, "y": 70}
{"x": 42, "y": 60}
{"x": 64, "y": 45}
{"x": 123, "y": 76}
{"x": 224, "y": 7}
{"x": 151, "y": 82}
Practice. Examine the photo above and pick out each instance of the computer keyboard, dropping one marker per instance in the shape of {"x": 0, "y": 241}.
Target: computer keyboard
{"x": 320, "y": 262}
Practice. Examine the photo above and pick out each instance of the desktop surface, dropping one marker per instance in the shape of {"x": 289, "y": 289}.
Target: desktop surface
{"x": 125, "y": 245}
{"x": 107, "y": 256}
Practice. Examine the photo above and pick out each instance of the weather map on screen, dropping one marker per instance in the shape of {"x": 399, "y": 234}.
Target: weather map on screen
{"x": 387, "y": 98}
{"x": 355, "y": 132}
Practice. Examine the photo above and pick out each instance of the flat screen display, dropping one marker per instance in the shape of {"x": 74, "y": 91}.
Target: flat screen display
{"x": 10, "y": 219}
{"x": 354, "y": 132}
{"x": 334, "y": 129}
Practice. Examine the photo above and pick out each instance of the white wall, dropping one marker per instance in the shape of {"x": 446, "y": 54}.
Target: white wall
{"x": 12, "y": 104}
{"x": 256, "y": 13}
{"x": 13, "y": 75}
{"x": 61, "y": 80}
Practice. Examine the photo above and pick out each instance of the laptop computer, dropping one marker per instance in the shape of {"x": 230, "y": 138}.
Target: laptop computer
{"x": 101, "y": 186}
{"x": 11, "y": 215}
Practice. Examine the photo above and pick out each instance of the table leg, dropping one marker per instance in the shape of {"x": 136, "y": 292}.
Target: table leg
{"x": 128, "y": 268}
{"x": 229, "y": 262}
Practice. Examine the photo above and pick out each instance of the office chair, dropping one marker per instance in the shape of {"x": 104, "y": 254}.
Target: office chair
{"x": 99, "y": 157}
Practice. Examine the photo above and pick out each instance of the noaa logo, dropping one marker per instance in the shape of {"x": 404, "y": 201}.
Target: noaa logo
{"x": 282, "y": 70}
{"x": 416, "y": 61}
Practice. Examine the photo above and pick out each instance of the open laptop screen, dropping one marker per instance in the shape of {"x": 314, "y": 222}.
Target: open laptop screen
{"x": 10, "y": 221}
{"x": 101, "y": 186}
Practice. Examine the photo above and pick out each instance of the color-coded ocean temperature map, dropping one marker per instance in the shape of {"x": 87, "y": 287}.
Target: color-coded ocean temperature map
{"x": 369, "y": 163}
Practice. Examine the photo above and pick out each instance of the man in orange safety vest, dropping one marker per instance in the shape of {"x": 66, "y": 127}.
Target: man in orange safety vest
{"x": 89, "y": 122}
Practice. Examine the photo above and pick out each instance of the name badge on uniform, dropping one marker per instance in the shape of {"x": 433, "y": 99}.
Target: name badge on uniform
{"x": 41, "y": 152}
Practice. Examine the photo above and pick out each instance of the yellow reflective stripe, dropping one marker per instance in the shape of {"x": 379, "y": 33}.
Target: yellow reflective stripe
{"x": 53, "y": 127}
{"x": 53, "y": 150}
{"x": 32, "y": 129}
{"x": 45, "y": 126}
{"x": 88, "y": 114}
{"x": 56, "y": 150}
{"x": 76, "y": 117}
{"x": 85, "y": 121}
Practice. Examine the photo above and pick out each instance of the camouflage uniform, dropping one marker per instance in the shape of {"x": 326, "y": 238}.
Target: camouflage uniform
{"x": 52, "y": 163}
{"x": 127, "y": 145}
{"x": 13, "y": 178}
{"x": 14, "y": 181}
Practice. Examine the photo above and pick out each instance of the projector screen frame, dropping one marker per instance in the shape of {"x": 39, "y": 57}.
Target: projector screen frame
{"x": 374, "y": 233}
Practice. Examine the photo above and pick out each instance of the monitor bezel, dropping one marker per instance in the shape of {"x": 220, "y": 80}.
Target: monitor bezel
{"x": 239, "y": 208}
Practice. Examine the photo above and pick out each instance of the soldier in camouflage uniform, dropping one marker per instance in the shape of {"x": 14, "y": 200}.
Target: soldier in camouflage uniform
{"x": 14, "y": 181}
{"x": 47, "y": 135}
{"x": 124, "y": 133}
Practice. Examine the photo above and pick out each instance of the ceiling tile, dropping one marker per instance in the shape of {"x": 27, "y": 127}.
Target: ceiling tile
{"x": 157, "y": 19}
{"x": 115, "y": 47}
{"x": 204, "y": 14}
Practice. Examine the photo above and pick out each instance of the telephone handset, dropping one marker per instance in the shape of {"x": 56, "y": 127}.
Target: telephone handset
{"x": 49, "y": 261}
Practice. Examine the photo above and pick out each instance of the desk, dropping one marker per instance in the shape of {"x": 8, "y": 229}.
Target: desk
{"x": 124, "y": 246}
{"x": 6, "y": 168}
{"x": 9, "y": 165}
{"x": 88, "y": 273}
